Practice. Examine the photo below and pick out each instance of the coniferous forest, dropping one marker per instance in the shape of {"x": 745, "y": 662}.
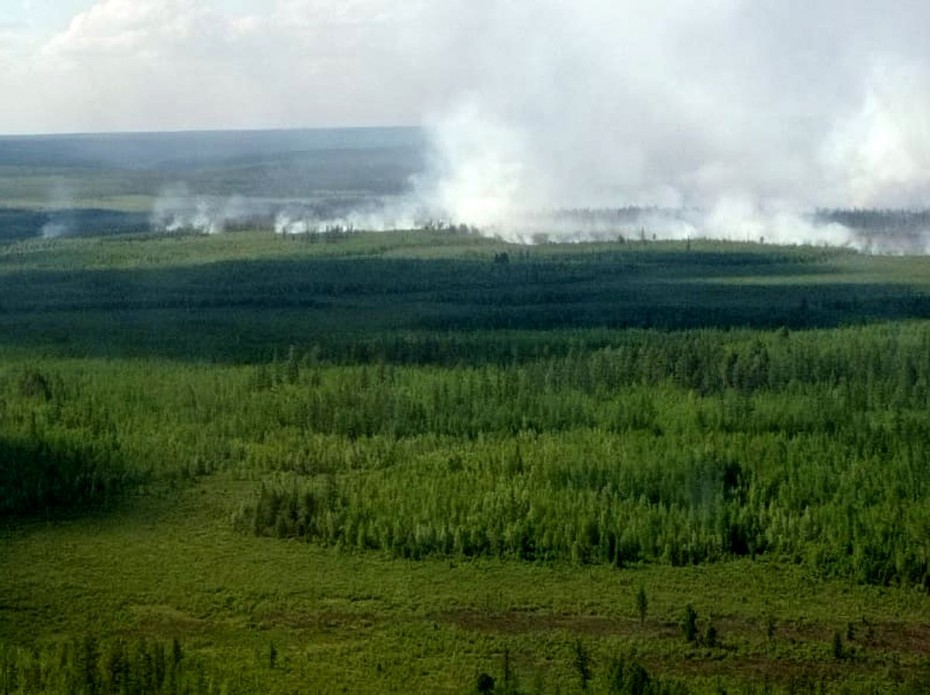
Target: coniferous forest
{"x": 431, "y": 461}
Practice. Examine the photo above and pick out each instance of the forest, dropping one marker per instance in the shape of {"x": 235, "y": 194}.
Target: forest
{"x": 549, "y": 468}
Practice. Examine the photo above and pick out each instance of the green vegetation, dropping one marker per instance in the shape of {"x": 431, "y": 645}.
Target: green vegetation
{"x": 642, "y": 604}
{"x": 396, "y": 462}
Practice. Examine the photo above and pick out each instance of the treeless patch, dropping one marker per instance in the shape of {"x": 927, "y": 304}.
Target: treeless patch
{"x": 516, "y": 622}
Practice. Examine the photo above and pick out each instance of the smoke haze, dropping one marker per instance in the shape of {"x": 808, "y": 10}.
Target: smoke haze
{"x": 59, "y": 208}
{"x": 176, "y": 209}
{"x": 725, "y": 118}
{"x": 754, "y": 113}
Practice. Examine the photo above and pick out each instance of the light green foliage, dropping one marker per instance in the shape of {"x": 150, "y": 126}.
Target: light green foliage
{"x": 600, "y": 458}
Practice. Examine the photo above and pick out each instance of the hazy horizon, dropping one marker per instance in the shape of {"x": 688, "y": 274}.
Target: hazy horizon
{"x": 753, "y": 111}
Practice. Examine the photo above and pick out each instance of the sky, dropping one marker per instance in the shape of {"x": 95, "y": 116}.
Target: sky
{"x": 735, "y": 105}
{"x": 116, "y": 65}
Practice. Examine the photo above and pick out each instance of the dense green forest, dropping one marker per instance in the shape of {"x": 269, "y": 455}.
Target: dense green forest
{"x": 679, "y": 448}
{"x": 435, "y": 399}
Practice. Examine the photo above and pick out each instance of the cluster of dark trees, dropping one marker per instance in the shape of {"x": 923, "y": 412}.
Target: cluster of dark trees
{"x": 877, "y": 220}
{"x": 113, "y": 666}
{"x": 43, "y": 469}
{"x": 245, "y": 309}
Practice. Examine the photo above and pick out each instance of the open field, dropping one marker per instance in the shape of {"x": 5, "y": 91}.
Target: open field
{"x": 172, "y": 567}
{"x": 394, "y": 462}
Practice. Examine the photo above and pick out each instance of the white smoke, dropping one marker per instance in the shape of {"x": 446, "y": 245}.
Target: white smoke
{"x": 54, "y": 230}
{"x": 731, "y": 119}
{"x": 403, "y": 212}
{"x": 284, "y": 223}
{"x": 59, "y": 208}
{"x": 753, "y": 112}
{"x": 176, "y": 209}
{"x": 739, "y": 112}
{"x": 881, "y": 153}
{"x": 479, "y": 168}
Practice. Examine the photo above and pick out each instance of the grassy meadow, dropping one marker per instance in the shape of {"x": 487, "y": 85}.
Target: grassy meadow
{"x": 432, "y": 462}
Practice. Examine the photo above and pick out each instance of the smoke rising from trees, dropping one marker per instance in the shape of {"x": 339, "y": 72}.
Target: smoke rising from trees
{"x": 752, "y": 112}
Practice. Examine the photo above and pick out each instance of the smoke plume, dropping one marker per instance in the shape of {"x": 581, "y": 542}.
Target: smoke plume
{"x": 176, "y": 209}
{"x": 59, "y": 211}
{"x": 751, "y": 115}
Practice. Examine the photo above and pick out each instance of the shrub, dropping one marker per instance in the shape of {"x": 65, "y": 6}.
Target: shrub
{"x": 689, "y": 623}
{"x": 642, "y": 604}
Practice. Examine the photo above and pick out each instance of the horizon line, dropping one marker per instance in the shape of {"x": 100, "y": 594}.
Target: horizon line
{"x": 205, "y": 131}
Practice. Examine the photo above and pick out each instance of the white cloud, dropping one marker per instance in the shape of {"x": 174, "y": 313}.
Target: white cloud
{"x": 126, "y": 28}
{"x": 163, "y": 64}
